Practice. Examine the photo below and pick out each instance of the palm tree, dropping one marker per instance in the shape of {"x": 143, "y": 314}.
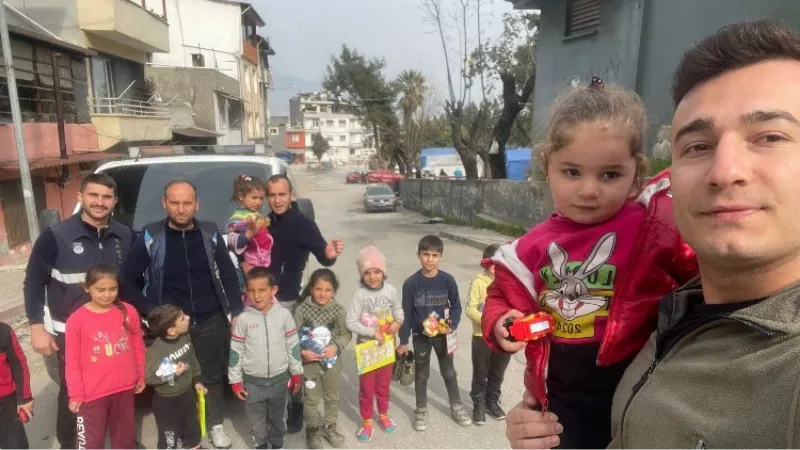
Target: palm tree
{"x": 412, "y": 86}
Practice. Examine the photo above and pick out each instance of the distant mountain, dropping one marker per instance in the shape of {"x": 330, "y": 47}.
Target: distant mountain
{"x": 284, "y": 89}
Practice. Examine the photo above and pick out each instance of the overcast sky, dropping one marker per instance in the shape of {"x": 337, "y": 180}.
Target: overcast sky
{"x": 305, "y": 33}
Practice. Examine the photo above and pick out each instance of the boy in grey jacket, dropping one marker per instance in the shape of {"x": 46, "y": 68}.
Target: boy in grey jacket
{"x": 265, "y": 356}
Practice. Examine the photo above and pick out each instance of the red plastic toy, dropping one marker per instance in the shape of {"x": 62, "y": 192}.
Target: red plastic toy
{"x": 530, "y": 328}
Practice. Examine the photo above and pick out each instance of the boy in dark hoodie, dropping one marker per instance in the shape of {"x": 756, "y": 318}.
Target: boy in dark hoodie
{"x": 431, "y": 294}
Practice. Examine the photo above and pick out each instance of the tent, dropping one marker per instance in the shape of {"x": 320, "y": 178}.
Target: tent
{"x": 517, "y": 163}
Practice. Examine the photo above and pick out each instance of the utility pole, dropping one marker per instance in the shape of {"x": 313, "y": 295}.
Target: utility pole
{"x": 62, "y": 138}
{"x": 24, "y": 170}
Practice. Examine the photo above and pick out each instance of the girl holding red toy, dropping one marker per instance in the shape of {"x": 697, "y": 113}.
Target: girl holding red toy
{"x": 598, "y": 265}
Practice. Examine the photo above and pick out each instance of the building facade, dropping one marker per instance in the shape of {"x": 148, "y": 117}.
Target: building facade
{"x": 124, "y": 107}
{"x": 345, "y": 132}
{"x": 39, "y": 57}
{"x": 218, "y": 66}
{"x": 635, "y": 43}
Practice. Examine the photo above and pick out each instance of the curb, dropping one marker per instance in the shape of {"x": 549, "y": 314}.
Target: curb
{"x": 472, "y": 242}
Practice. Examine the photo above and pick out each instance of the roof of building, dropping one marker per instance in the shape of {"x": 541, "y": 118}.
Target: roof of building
{"x": 196, "y": 132}
{"x": 246, "y": 8}
{"x": 21, "y": 25}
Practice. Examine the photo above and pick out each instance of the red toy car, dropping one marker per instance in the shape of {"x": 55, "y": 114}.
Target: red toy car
{"x": 530, "y": 328}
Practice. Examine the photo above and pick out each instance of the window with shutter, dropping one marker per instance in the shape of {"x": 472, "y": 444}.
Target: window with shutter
{"x": 583, "y": 16}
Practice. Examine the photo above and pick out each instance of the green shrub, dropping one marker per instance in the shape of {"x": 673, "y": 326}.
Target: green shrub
{"x": 657, "y": 165}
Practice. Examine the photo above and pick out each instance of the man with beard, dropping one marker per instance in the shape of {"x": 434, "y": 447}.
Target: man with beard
{"x": 721, "y": 369}
{"x": 57, "y": 268}
{"x": 185, "y": 263}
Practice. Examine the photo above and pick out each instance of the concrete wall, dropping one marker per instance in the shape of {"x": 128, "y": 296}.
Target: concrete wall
{"x": 210, "y": 28}
{"x": 515, "y": 202}
{"x": 195, "y": 86}
{"x": 612, "y": 53}
{"x": 672, "y": 26}
{"x": 41, "y": 140}
{"x": 113, "y": 129}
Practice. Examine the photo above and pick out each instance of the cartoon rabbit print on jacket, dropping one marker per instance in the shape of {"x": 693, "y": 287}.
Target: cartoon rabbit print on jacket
{"x": 573, "y": 297}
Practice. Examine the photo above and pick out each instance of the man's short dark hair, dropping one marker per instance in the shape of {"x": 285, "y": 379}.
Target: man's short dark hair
{"x": 430, "y": 243}
{"x": 490, "y": 250}
{"x": 261, "y": 273}
{"x": 101, "y": 179}
{"x": 732, "y": 47}
{"x": 278, "y": 177}
{"x": 180, "y": 181}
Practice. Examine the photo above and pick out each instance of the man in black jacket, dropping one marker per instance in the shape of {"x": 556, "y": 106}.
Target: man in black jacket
{"x": 295, "y": 235}
{"x": 186, "y": 263}
{"x": 57, "y": 268}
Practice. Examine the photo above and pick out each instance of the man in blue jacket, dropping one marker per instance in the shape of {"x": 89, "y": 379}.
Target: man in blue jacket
{"x": 185, "y": 262}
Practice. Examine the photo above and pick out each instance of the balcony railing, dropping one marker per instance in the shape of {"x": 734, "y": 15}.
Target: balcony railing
{"x": 128, "y": 107}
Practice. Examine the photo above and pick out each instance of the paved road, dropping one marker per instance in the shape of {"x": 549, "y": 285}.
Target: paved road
{"x": 340, "y": 215}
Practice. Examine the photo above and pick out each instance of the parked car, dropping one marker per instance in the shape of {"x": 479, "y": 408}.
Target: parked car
{"x": 379, "y": 197}
{"x": 384, "y": 176}
{"x": 353, "y": 177}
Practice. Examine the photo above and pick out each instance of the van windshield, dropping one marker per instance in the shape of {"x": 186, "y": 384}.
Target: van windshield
{"x": 141, "y": 188}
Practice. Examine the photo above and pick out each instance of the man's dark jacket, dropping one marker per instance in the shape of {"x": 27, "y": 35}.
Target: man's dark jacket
{"x": 197, "y": 274}
{"x": 295, "y": 235}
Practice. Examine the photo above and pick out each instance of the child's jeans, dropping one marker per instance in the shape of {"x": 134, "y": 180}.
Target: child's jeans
{"x": 375, "y": 384}
{"x": 423, "y": 346}
{"x": 113, "y": 412}
{"x": 265, "y": 409}
{"x": 321, "y": 384}
{"x": 176, "y": 419}
{"x": 13, "y": 434}
{"x": 488, "y": 370}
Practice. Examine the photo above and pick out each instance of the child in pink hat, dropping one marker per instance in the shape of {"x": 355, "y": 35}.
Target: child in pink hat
{"x": 374, "y": 302}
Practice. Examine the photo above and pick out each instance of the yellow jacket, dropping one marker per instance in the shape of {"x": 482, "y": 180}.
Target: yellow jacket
{"x": 477, "y": 297}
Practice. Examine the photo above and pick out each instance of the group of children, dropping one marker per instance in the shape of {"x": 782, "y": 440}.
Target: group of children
{"x": 589, "y": 266}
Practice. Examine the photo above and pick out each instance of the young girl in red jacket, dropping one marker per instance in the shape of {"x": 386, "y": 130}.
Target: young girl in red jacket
{"x": 598, "y": 265}
{"x": 104, "y": 362}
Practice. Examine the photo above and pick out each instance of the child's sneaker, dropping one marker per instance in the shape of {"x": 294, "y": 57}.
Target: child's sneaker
{"x": 333, "y": 436}
{"x": 387, "y": 424}
{"x": 313, "y": 438}
{"x": 494, "y": 410}
{"x": 365, "y": 433}
{"x": 479, "y": 414}
{"x": 407, "y": 373}
{"x": 421, "y": 419}
{"x": 460, "y": 415}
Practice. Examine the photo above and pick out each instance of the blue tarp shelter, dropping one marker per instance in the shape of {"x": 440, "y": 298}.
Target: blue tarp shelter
{"x": 517, "y": 162}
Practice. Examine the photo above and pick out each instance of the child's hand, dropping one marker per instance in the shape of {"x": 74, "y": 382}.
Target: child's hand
{"x": 295, "y": 383}
{"x": 238, "y": 390}
{"x": 402, "y": 349}
{"x": 309, "y": 356}
{"x": 394, "y": 328}
{"x": 139, "y": 387}
{"x": 28, "y": 407}
{"x": 379, "y": 337}
{"x": 75, "y": 407}
{"x": 501, "y": 333}
{"x": 181, "y": 369}
{"x": 329, "y": 352}
{"x": 200, "y": 388}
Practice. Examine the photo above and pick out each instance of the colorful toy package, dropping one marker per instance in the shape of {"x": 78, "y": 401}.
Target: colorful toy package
{"x": 316, "y": 340}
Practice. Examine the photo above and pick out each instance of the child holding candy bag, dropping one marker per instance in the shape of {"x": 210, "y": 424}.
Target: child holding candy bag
{"x": 375, "y": 311}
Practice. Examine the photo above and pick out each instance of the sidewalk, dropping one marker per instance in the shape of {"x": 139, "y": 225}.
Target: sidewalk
{"x": 11, "y": 278}
{"x": 474, "y": 237}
